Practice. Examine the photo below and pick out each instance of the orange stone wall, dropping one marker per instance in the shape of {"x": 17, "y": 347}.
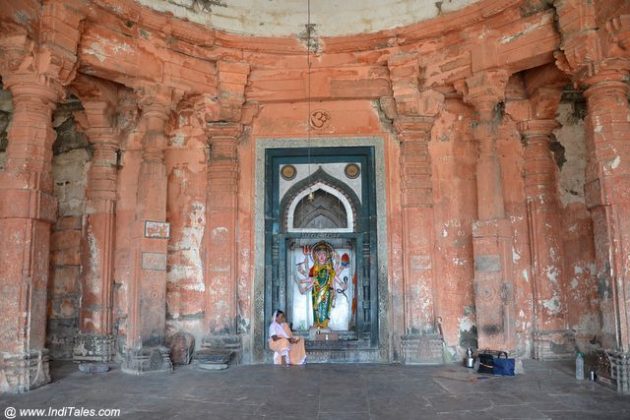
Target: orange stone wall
{"x": 506, "y": 178}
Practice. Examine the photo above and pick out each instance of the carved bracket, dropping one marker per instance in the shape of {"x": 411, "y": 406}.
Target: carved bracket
{"x": 484, "y": 91}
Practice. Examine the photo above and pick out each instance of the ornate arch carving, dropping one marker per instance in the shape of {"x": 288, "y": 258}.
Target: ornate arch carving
{"x": 320, "y": 177}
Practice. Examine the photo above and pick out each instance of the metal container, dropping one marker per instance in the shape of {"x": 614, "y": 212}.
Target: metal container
{"x": 470, "y": 360}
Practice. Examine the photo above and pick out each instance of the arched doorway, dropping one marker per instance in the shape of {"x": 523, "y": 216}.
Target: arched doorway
{"x": 320, "y": 211}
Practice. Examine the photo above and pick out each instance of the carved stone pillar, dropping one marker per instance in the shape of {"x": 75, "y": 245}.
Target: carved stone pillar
{"x": 414, "y": 133}
{"x": 598, "y": 56}
{"x": 95, "y": 341}
{"x": 145, "y": 350}
{"x": 492, "y": 232}
{"x": 608, "y": 198}
{"x": 552, "y": 340}
{"x": 414, "y": 114}
{"x": 221, "y": 236}
{"x": 27, "y": 210}
{"x": 535, "y": 117}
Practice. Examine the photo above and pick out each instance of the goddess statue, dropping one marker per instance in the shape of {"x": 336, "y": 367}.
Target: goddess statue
{"x": 321, "y": 280}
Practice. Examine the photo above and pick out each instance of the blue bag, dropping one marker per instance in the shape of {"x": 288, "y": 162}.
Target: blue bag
{"x": 503, "y": 366}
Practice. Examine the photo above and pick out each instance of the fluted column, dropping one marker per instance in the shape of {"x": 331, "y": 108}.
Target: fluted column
{"x": 95, "y": 341}
{"x": 221, "y": 235}
{"x": 147, "y": 289}
{"x": 27, "y": 210}
{"x": 492, "y": 232}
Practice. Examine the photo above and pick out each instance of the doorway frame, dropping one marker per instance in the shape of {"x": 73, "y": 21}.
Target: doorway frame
{"x": 258, "y": 327}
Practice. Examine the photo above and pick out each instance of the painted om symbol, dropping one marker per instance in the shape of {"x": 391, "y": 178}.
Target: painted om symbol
{"x": 319, "y": 119}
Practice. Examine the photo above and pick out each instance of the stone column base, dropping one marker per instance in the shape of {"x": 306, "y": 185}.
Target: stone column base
{"x": 620, "y": 369}
{"x": 229, "y": 344}
{"x": 94, "y": 348}
{"x": 23, "y": 372}
{"x": 420, "y": 349}
{"x": 554, "y": 345}
{"x": 147, "y": 360}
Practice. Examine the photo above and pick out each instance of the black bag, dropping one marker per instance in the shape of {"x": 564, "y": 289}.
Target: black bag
{"x": 486, "y": 362}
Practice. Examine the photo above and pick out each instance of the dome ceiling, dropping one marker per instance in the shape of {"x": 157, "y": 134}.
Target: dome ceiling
{"x": 288, "y": 17}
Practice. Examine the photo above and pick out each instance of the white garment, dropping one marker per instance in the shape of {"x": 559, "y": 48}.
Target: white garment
{"x": 276, "y": 329}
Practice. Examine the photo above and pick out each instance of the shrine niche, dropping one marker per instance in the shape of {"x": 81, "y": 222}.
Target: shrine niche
{"x": 321, "y": 253}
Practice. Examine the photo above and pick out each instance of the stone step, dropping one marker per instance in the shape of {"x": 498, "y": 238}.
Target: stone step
{"x": 343, "y": 356}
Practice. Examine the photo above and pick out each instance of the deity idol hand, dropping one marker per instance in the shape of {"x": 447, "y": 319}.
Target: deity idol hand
{"x": 306, "y": 283}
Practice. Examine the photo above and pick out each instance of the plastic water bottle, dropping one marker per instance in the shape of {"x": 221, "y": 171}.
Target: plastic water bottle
{"x": 579, "y": 366}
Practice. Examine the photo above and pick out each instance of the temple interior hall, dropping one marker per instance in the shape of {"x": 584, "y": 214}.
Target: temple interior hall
{"x": 216, "y": 187}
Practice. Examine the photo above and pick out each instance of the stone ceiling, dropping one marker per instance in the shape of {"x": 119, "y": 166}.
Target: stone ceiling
{"x": 288, "y": 17}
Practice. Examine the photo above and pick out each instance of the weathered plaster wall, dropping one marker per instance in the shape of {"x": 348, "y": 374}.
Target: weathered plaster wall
{"x": 70, "y": 166}
{"x": 288, "y": 17}
{"x": 455, "y": 202}
{"x": 584, "y": 314}
{"x": 519, "y": 298}
{"x": 125, "y": 206}
{"x": 187, "y": 289}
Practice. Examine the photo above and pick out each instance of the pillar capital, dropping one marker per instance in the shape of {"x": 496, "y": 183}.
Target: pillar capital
{"x": 25, "y": 86}
{"x": 200, "y": 109}
{"x": 97, "y": 120}
{"x": 218, "y": 130}
{"x": 537, "y": 128}
{"x": 484, "y": 90}
{"x": 232, "y": 78}
{"x": 27, "y": 72}
{"x": 536, "y": 115}
{"x": 416, "y": 114}
{"x": 588, "y": 47}
{"x": 34, "y": 99}
{"x": 155, "y": 101}
{"x": 610, "y": 81}
{"x": 414, "y": 128}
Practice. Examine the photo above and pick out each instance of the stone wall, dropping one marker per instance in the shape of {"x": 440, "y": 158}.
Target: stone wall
{"x": 70, "y": 164}
{"x": 453, "y": 165}
{"x": 499, "y": 229}
{"x": 186, "y": 161}
{"x": 584, "y": 315}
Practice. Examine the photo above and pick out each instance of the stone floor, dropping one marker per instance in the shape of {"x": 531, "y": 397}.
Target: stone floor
{"x": 545, "y": 391}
